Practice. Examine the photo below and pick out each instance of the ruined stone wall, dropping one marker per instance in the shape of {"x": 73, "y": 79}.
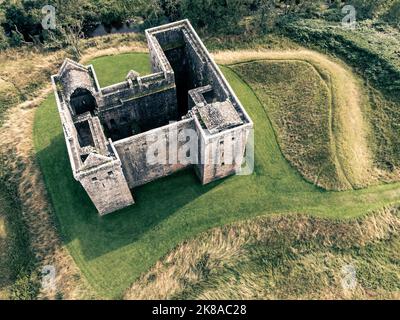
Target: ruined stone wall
{"x": 222, "y": 155}
{"x": 112, "y": 95}
{"x": 169, "y": 39}
{"x": 70, "y": 132}
{"x": 133, "y": 153}
{"x": 107, "y": 187}
{"x": 159, "y": 62}
{"x": 197, "y": 65}
{"x": 149, "y": 111}
{"x": 135, "y": 115}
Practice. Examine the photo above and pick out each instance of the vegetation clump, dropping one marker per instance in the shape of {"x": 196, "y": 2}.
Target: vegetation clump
{"x": 282, "y": 257}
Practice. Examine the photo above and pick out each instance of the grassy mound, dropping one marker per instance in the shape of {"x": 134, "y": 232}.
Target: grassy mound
{"x": 115, "y": 250}
{"x": 302, "y": 121}
{"x": 375, "y": 55}
{"x": 286, "y": 257}
{"x": 318, "y": 111}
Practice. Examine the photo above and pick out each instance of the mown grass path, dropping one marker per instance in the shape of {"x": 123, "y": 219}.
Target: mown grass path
{"x": 113, "y": 251}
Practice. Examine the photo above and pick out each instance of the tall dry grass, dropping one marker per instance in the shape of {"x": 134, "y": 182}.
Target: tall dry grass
{"x": 229, "y": 247}
{"x": 25, "y": 77}
{"x": 4, "y": 269}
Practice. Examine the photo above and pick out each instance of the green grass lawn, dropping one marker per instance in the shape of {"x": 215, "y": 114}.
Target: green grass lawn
{"x": 114, "y": 250}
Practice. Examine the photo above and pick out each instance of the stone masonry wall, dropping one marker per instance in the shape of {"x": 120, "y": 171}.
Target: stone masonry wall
{"x": 136, "y": 116}
{"x": 216, "y": 162}
{"x": 107, "y": 188}
{"x": 150, "y": 111}
{"x": 133, "y": 153}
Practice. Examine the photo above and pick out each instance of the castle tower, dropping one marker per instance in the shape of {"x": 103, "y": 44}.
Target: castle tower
{"x": 95, "y": 163}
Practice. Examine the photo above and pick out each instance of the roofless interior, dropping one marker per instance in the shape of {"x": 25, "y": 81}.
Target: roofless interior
{"x": 188, "y": 67}
{"x": 159, "y": 108}
{"x": 189, "y": 74}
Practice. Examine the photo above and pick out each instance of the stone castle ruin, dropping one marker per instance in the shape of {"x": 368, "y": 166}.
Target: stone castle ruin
{"x": 107, "y": 130}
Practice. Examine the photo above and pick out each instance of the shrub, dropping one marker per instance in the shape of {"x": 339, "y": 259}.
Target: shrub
{"x": 368, "y": 9}
{"x": 392, "y": 16}
{"x": 25, "y": 288}
{"x": 3, "y": 39}
{"x": 16, "y": 39}
{"x": 214, "y": 15}
{"x": 374, "y": 59}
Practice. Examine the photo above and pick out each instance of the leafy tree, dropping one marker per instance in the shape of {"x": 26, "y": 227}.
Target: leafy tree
{"x": 151, "y": 11}
{"x": 111, "y": 11}
{"x": 22, "y": 17}
{"x": 214, "y": 15}
{"x": 369, "y": 9}
{"x": 392, "y": 15}
{"x": 172, "y": 9}
{"x": 270, "y": 12}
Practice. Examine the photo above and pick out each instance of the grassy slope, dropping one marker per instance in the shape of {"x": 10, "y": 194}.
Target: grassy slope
{"x": 310, "y": 269}
{"x": 5, "y": 272}
{"x": 18, "y": 168}
{"x": 349, "y": 132}
{"x": 282, "y": 257}
{"x": 16, "y": 258}
{"x": 113, "y": 251}
{"x": 375, "y": 55}
{"x": 302, "y": 121}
